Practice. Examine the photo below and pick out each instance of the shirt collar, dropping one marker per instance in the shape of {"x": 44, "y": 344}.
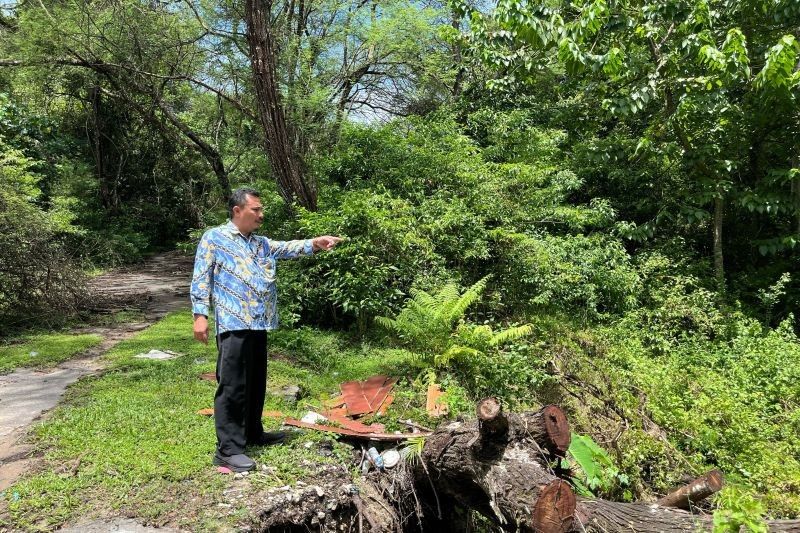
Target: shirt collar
{"x": 233, "y": 230}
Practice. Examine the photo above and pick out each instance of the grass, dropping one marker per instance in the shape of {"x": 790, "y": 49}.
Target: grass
{"x": 129, "y": 442}
{"x": 45, "y": 349}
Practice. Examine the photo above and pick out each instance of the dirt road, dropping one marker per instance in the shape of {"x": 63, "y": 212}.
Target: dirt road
{"x": 153, "y": 288}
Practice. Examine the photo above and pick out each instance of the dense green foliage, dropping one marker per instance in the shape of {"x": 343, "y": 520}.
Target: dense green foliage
{"x": 591, "y": 203}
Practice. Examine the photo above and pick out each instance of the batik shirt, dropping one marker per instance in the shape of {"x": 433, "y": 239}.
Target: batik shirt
{"x": 237, "y": 274}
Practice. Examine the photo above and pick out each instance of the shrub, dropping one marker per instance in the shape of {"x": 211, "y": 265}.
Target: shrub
{"x": 729, "y": 401}
{"x": 589, "y": 275}
{"x": 368, "y": 274}
{"x": 37, "y": 276}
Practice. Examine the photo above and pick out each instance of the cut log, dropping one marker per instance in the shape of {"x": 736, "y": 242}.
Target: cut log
{"x": 498, "y": 466}
{"x": 698, "y": 490}
{"x": 555, "y": 508}
{"x": 491, "y": 419}
{"x": 549, "y": 428}
{"x": 503, "y": 473}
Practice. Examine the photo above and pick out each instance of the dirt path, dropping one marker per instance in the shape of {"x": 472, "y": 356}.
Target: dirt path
{"x": 156, "y": 287}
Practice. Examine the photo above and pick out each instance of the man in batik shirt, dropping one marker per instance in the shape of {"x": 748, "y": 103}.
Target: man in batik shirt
{"x": 235, "y": 271}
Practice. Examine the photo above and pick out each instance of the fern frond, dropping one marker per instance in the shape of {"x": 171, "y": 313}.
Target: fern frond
{"x": 386, "y": 322}
{"x": 510, "y": 334}
{"x": 469, "y": 297}
{"x": 456, "y": 352}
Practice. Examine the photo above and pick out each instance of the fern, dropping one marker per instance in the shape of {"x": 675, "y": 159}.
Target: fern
{"x": 456, "y": 352}
{"x": 427, "y": 321}
{"x": 510, "y": 334}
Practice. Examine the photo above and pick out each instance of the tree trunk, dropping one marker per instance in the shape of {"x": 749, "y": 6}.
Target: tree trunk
{"x": 698, "y": 490}
{"x": 287, "y": 165}
{"x": 108, "y": 197}
{"x": 796, "y": 195}
{"x": 719, "y": 265}
{"x": 500, "y": 466}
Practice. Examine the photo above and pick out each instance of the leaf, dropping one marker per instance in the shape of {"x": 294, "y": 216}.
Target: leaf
{"x": 593, "y": 460}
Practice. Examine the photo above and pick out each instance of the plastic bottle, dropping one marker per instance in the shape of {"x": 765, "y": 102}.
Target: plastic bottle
{"x": 375, "y": 458}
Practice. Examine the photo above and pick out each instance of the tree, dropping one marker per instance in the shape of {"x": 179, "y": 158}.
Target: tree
{"x": 698, "y": 81}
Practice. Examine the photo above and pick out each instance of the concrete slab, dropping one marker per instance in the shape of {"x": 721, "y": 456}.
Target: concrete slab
{"x": 26, "y": 394}
{"x": 118, "y": 525}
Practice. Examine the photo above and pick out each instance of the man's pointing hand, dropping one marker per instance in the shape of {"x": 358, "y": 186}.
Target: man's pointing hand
{"x": 326, "y": 242}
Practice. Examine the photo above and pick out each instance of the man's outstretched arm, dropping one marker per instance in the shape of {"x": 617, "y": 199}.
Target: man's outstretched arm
{"x": 298, "y": 248}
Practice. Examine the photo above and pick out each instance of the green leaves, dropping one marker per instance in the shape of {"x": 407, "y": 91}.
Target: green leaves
{"x": 778, "y": 73}
{"x": 599, "y": 474}
{"x": 427, "y": 321}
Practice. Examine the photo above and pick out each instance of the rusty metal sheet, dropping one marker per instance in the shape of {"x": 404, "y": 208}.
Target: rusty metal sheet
{"x": 364, "y": 397}
{"x": 353, "y": 424}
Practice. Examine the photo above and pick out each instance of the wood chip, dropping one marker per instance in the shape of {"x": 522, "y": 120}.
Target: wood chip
{"x": 433, "y": 405}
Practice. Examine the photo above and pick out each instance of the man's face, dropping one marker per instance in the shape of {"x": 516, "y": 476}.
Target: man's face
{"x": 249, "y": 216}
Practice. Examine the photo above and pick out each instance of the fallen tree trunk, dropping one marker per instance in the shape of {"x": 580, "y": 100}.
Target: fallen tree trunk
{"x": 498, "y": 466}
{"x": 696, "y": 491}
{"x": 503, "y": 467}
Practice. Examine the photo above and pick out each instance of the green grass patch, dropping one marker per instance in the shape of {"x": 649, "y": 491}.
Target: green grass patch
{"x": 44, "y": 349}
{"x": 130, "y": 442}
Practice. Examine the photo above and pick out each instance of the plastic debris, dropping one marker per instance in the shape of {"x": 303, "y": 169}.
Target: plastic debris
{"x": 313, "y": 418}
{"x": 390, "y": 458}
{"x": 224, "y": 470}
{"x": 158, "y": 355}
{"x": 375, "y": 458}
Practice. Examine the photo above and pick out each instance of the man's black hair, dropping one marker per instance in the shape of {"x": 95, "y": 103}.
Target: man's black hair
{"x": 239, "y": 197}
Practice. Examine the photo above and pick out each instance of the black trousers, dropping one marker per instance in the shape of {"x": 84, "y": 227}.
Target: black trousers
{"x": 241, "y": 385}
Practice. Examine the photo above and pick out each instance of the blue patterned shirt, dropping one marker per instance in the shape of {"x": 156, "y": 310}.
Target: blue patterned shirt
{"x": 237, "y": 274}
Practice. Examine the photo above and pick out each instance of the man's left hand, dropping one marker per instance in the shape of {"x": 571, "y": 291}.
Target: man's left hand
{"x": 325, "y": 242}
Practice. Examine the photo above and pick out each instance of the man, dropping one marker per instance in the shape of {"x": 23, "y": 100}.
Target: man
{"x": 235, "y": 270}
